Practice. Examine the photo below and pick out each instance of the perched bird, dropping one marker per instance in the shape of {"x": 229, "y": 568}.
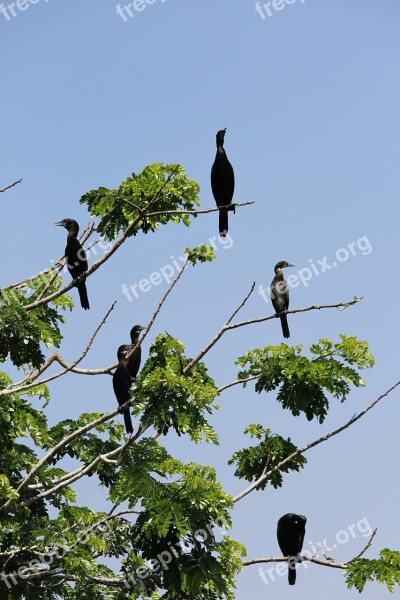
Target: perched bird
{"x": 222, "y": 183}
{"x": 122, "y": 382}
{"x": 126, "y": 372}
{"x": 76, "y": 258}
{"x": 290, "y": 533}
{"x": 133, "y": 362}
{"x": 280, "y": 295}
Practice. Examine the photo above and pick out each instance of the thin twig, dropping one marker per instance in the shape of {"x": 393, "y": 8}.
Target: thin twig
{"x": 219, "y": 334}
{"x": 237, "y": 382}
{"x": 11, "y": 185}
{"x": 156, "y": 312}
{"x": 363, "y": 551}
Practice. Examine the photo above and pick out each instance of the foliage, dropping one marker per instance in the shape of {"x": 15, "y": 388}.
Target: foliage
{"x": 167, "y": 523}
{"x": 305, "y": 382}
{"x": 255, "y": 461}
{"x": 385, "y": 569}
{"x": 157, "y": 188}
{"x": 22, "y": 331}
{"x": 171, "y": 398}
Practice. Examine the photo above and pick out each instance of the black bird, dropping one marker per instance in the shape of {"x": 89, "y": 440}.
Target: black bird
{"x": 122, "y": 382}
{"x": 280, "y": 295}
{"x": 126, "y": 372}
{"x": 290, "y": 533}
{"x": 133, "y": 363}
{"x": 222, "y": 183}
{"x": 76, "y": 258}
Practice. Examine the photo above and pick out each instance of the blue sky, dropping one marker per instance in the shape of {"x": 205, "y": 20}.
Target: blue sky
{"x": 310, "y": 96}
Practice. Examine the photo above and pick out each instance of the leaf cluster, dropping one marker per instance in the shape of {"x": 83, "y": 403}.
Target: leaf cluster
{"x": 172, "y": 398}
{"x": 385, "y": 570}
{"x": 304, "y": 383}
{"x": 251, "y": 463}
{"x": 158, "y": 188}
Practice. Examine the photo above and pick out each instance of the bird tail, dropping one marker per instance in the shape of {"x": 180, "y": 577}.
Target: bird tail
{"x": 285, "y": 326}
{"x": 83, "y": 295}
{"x": 223, "y": 222}
{"x": 128, "y": 421}
{"x": 292, "y": 570}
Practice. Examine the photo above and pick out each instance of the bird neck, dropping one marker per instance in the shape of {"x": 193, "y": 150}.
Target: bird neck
{"x": 72, "y": 233}
{"x": 279, "y": 273}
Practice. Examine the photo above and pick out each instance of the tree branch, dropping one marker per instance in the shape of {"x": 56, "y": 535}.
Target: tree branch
{"x": 195, "y": 212}
{"x": 156, "y": 312}
{"x": 11, "y": 185}
{"x": 329, "y": 562}
{"x": 219, "y": 334}
{"x": 237, "y": 382}
{"x": 229, "y": 326}
{"x": 317, "y": 561}
{"x": 313, "y": 444}
{"x": 56, "y": 449}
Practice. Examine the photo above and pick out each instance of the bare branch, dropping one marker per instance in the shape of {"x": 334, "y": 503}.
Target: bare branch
{"x": 237, "y": 382}
{"x": 363, "y": 551}
{"x": 329, "y": 562}
{"x": 219, "y": 334}
{"x": 196, "y": 212}
{"x": 11, "y": 185}
{"x": 156, "y": 312}
{"x": 313, "y": 559}
{"x": 228, "y": 325}
{"x": 313, "y": 444}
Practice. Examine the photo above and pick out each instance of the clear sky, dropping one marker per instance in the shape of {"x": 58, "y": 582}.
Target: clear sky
{"x": 309, "y": 92}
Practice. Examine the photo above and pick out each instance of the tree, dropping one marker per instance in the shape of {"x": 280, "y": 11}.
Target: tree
{"x": 168, "y": 522}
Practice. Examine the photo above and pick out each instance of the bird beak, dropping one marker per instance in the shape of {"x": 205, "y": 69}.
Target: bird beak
{"x": 224, "y": 130}
{"x": 290, "y": 265}
{"x": 60, "y": 223}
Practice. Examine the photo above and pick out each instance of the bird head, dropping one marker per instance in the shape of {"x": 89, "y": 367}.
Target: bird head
{"x": 281, "y": 265}
{"x": 69, "y": 224}
{"x": 135, "y": 332}
{"x": 123, "y": 351}
{"x": 221, "y": 137}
